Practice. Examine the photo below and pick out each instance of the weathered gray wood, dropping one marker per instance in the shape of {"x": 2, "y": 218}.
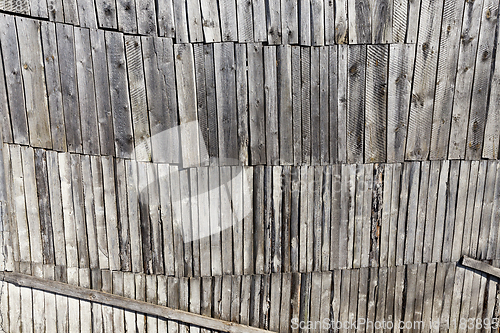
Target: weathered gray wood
{"x": 305, "y": 301}
{"x": 311, "y": 216}
{"x": 286, "y": 299}
{"x": 98, "y": 195}
{"x": 342, "y": 103}
{"x": 37, "y": 9}
{"x": 446, "y": 73}
{"x": 413, "y": 21}
{"x": 166, "y": 218}
{"x": 356, "y": 103}
{"x": 146, "y": 234}
{"x": 410, "y": 295}
{"x": 335, "y": 222}
{"x": 277, "y": 238}
{"x": 271, "y": 102}
{"x": 491, "y": 133}
{"x": 376, "y": 103}
{"x": 357, "y": 203}
{"x": 305, "y": 22}
{"x": 106, "y": 14}
{"x": 103, "y": 102}
{"x": 360, "y": 22}
{"x": 155, "y": 218}
{"x": 386, "y": 210}
{"x": 490, "y": 194}
{"x": 67, "y": 66}
{"x": 146, "y": 17}
{"x": 226, "y": 220}
{"x": 465, "y": 75}
{"x": 367, "y": 204}
{"x": 451, "y": 207}
{"x": 400, "y": 21}
{"x": 225, "y": 78}
{"x": 353, "y": 295}
{"x": 90, "y": 221}
{"x": 326, "y": 218}
{"x": 318, "y": 22}
{"x": 120, "y": 99}
{"x": 273, "y": 11}
{"x": 440, "y": 219}
{"x": 341, "y": 22}
{"x": 420, "y": 123}
{"x": 457, "y": 297}
{"x": 268, "y": 224}
{"x": 394, "y": 212}
{"x": 275, "y": 302}
{"x": 86, "y": 92}
{"x": 201, "y": 94}
{"x": 412, "y": 215}
{"x": 437, "y": 298}
{"x": 398, "y": 103}
{"x": 259, "y": 21}
{"x": 258, "y": 221}
{"x": 126, "y": 16}
{"x": 289, "y": 22}
{"x": 211, "y": 24}
{"x": 428, "y": 296}
{"x": 111, "y": 213}
{"x": 390, "y": 296}
{"x": 421, "y": 211}
{"x": 166, "y": 24}
{"x": 204, "y": 222}
{"x": 237, "y": 215}
{"x": 324, "y": 115}
{"x": 125, "y": 303}
{"x": 78, "y": 211}
{"x": 87, "y": 14}
{"x": 402, "y": 219}
{"x": 55, "y": 10}
{"x": 333, "y": 73}
{"x": 431, "y": 211}
{"x": 4, "y": 108}
{"x": 245, "y": 21}
{"x": 242, "y": 101}
{"x": 213, "y": 135}
{"x": 257, "y": 122}
{"x": 420, "y": 285}
{"x": 477, "y": 210}
{"x": 215, "y": 220}
{"x": 30, "y": 47}
{"x": 306, "y": 104}
{"x": 285, "y": 106}
{"x": 53, "y": 85}
{"x": 448, "y": 295}
{"x": 384, "y": 15}
{"x": 228, "y": 17}
{"x": 178, "y": 242}
{"x": 193, "y": 182}
{"x": 296, "y": 105}
{"x": 482, "y": 81}
{"x": 463, "y": 186}
{"x": 138, "y": 103}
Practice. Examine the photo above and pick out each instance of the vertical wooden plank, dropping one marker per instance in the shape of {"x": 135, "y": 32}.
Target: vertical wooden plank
{"x": 412, "y": 212}
{"x": 86, "y": 92}
{"x": 123, "y": 216}
{"x": 305, "y": 58}
{"x": 333, "y": 104}
{"x": 316, "y": 125}
{"x": 457, "y": 298}
{"x": 193, "y": 183}
{"x": 275, "y": 302}
{"x": 311, "y": 215}
{"x": 473, "y": 13}
{"x": 226, "y": 220}
{"x": 259, "y": 21}
{"x": 285, "y": 308}
{"x": 126, "y": 16}
{"x": 103, "y": 102}
{"x": 385, "y": 16}
{"x": 463, "y": 186}
{"x": 140, "y": 294}
{"x": 305, "y": 299}
{"x": 451, "y": 208}
{"x": 344, "y": 217}
{"x": 482, "y": 81}
{"x": 413, "y": 21}
{"x": 274, "y": 32}
{"x": 71, "y": 12}
{"x": 129, "y": 292}
{"x": 394, "y": 212}
{"x": 13, "y": 79}
{"x": 166, "y": 218}
{"x": 204, "y": 221}
{"x": 268, "y": 224}
{"x": 215, "y": 220}
{"x": 448, "y": 295}
{"x": 30, "y": 47}
{"x": 107, "y": 311}
{"x": 111, "y": 214}
{"x": 38, "y": 9}
{"x": 145, "y": 223}
{"x": 255, "y": 300}
{"x": 151, "y": 297}
{"x": 400, "y": 21}
{"x": 201, "y": 94}
{"x": 419, "y": 123}
{"x": 98, "y": 194}
{"x": 353, "y": 295}
{"x": 363, "y": 294}
{"x": 398, "y": 103}
{"x": 385, "y": 221}
{"x": 358, "y": 214}
{"x": 237, "y": 215}
{"x": 326, "y": 218}
{"x": 421, "y": 211}
{"x": 245, "y": 21}
{"x": 446, "y": 73}
{"x": 277, "y": 237}
{"x": 297, "y": 105}
{"x": 258, "y": 222}
{"x": 67, "y": 67}
{"x": 341, "y": 22}
{"x": 87, "y": 14}
{"x": 248, "y": 228}
{"x": 335, "y": 216}
{"x": 302, "y": 233}
{"x": 165, "y": 12}
{"x": 402, "y": 220}
{"x": 317, "y": 22}
{"x": 475, "y": 219}
{"x": 271, "y": 95}
{"x": 138, "y": 102}
{"x": 285, "y": 106}
{"x": 305, "y": 22}
{"x": 213, "y": 147}
{"x": 120, "y": 99}
{"x": 376, "y": 103}
{"x": 360, "y": 22}
{"x": 366, "y": 239}
{"x": 428, "y": 296}
{"x": 106, "y": 14}
{"x": 356, "y": 103}
{"x": 211, "y": 24}
{"x": 294, "y": 219}
{"x": 228, "y": 18}
{"x": 491, "y": 133}
{"x": 342, "y": 98}
{"x": 4, "y": 107}
{"x": 90, "y": 219}
{"x": 155, "y": 218}
{"x": 324, "y": 106}
{"x": 490, "y": 194}
{"x": 242, "y": 101}
{"x": 256, "y": 104}
{"x": 411, "y": 279}
{"x": 289, "y": 22}
{"x": 431, "y": 211}
{"x": 226, "y": 102}
{"x": 146, "y": 17}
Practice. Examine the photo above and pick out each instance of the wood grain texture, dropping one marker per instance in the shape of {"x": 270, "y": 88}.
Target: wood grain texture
{"x": 356, "y": 103}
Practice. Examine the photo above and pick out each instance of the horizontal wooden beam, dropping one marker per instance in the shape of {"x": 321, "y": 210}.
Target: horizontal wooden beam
{"x": 481, "y": 266}
{"x": 64, "y": 289}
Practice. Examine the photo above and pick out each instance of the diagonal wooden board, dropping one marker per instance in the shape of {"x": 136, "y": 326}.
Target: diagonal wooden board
{"x": 27, "y": 281}
{"x": 481, "y": 266}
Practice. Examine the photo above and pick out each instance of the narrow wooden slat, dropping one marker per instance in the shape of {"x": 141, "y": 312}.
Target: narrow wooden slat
{"x": 419, "y": 123}
{"x": 245, "y": 21}
{"x": 385, "y": 16}
{"x": 341, "y": 22}
{"x": 421, "y": 211}
{"x": 490, "y": 194}
{"x": 145, "y": 225}
{"x": 412, "y": 213}
{"x": 401, "y": 62}
{"x": 201, "y": 94}
{"x": 86, "y": 92}
{"x": 413, "y": 21}
{"x": 400, "y": 21}
{"x": 268, "y": 224}
{"x": 404, "y": 194}
{"x": 274, "y": 32}
{"x": 78, "y": 211}
{"x": 335, "y": 242}
{"x": 324, "y": 106}
{"x": 482, "y": 82}
{"x": 312, "y": 215}
{"x": 151, "y": 297}
{"x": 451, "y": 203}
{"x": 465, "y": 75}
{"x": 357, "y": 204}
{"x": 305, "y": 57}
{"x": 140, "y": 294}
{"x": 457, "y": 297}
{"x": 376, "y": 103}
{"x": 342, "y": 98}
{"x": 225, "y": 76}
{"x": 467, "y": 286}
{"x": 146, "y": 17}
{"x": 305, "y": 299}
{"x": 138, "y": 102}
{"x": 120, "y": 105}
{"x": 225, "y": 298}
{"x": 103, "y": 102}
{"x": 215, "y": 220}
{"x": 356, "y": 103}
{"x": 491, "y": 133}
{"x": 275, "y": 302}
{"x": 13, "y": 79}
{"x": 475, "y": 218}
{"x": 296, "y": 105}
{"x": 318, "y": 22}
{"x": 437, "y": 301}
{"x": 213, "y": 132}
{"x": 90, "y": 221}
{"x": 410, "y": 295}
{"x": 428, "y": 296}
{"x": 211, "y": 24}
{"x": 259, "y": 21}
{"x": 166, "y": 216}
{"x": 446, "y": 73}
{"x": 258, "y": 221}
{"x": 326, "y": 218}
{"x": 30, "y": 47}
{"x": 87, "y": 14}
{"x": 126, "y": 16}
{"x": 27, "y": 311}
{"x": 228, "y": 20}
{"x": 305, "y": 22}
{"x": 448, "y": 295}
{"x": 353, "y": 295}
{"x": 463, "y": 186}
{"x": 360, "y": 22}
{"x": 204, "y": 222}
{"x": 193, "y": 183}
{"x": 285, "y": 106}
{"x": 4, "y": 108}
{"x": 394, "y": 212}
{"x": 344, "y": 217}
{"x": 155, "y": 218}
{"x": 226, "y": 220}
{"x": 237, "y": 215}
{"x": 111, "y": 213}
{"x": 289, "y": 22}
{"x": 248, "y": 215}
{"x": 37, "y": 9}
{"x": 98, "y": 195}
{"x": 166, "y": 24}
{"x": 366, "y": 238}
{"x": 123, "y": 216}
{"x": 333, "y": 105}
{"x": 271, "y": 102}
{"x": 257, "y": 124}
{"x": 385, "y": 221}
{"x": 106, "y": 14}
{"x": 315, "y": 106}
{"x": 420, "y": 297}
{"x": 431, "y": 212}
{"x": 286, "y": 306}
{"x": 242, "y": 102}
{"x": 9, "y": 227}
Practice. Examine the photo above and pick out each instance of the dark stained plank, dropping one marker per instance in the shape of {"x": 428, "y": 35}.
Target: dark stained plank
{"x": 103, "y": 101}
{"x": 356, "y": 103}
{"x": 376, "y": 103}
{"x": 120, "y": 99}
{"x": 422, "y": 101}
{"x": 69, "y": 85}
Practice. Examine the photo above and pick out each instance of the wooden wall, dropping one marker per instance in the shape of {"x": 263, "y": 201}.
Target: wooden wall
{"x": 253, "y": 161}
